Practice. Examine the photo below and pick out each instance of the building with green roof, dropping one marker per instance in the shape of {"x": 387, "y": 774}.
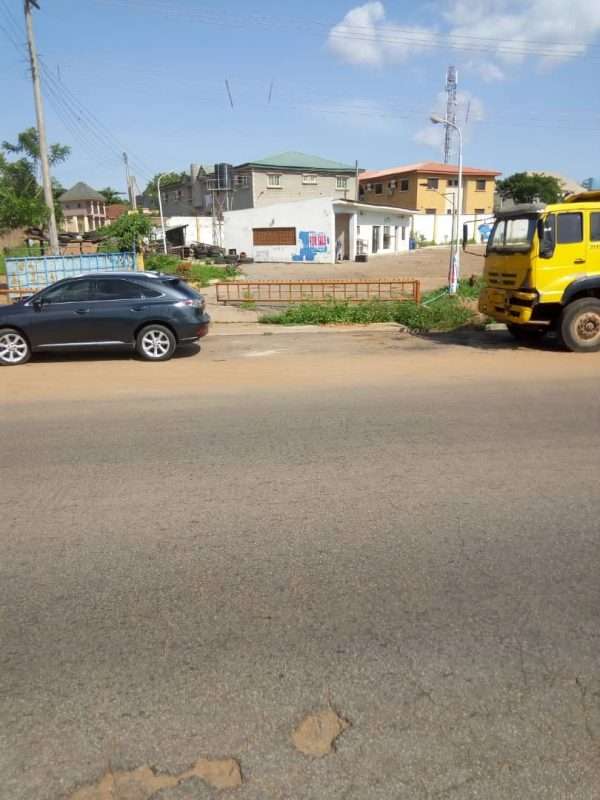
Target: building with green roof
{"x": 278, "y": 178}
{"x": 290, "y": 176}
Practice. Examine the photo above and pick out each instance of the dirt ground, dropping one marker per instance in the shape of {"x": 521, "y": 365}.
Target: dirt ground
{"x": 429, "y": 265}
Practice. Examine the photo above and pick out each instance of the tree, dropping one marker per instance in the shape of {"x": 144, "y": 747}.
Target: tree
{"x": 128, "y": 231}
{"x": 28, "y": 143}
{"x": 21, "y": 197}
{"x": 168, "y": 179}
{"x": 523, "y": 187}
{"x": 111, "y": 195}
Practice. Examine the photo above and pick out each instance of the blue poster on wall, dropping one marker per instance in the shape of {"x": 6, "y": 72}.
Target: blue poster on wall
{"x": 312, "y": 242}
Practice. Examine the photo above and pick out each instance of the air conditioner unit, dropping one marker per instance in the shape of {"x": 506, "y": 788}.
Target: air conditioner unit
{"x": 369, "y": 187}
{"x": 392, "y": 185}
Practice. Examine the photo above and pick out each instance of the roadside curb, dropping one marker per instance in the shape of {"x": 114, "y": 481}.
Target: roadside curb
{"x": 495, "y": 326}
{"x": 240, "y": 329}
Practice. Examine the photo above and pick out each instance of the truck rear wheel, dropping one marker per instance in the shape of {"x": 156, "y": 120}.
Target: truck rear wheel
{"x": 579, "y": 328}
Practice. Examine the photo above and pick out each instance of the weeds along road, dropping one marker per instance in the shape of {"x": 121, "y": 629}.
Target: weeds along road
{"x": 196, "y": 555}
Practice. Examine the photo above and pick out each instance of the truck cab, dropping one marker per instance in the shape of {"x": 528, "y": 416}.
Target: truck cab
{"x": 542, "y": 271}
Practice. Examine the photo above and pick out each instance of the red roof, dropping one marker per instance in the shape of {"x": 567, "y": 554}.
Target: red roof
{"x": 116, "y": 210}
{"x": 433, "y": 167}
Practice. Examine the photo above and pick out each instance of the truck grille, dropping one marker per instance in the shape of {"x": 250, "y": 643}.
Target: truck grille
{"x": 502, "y": 278}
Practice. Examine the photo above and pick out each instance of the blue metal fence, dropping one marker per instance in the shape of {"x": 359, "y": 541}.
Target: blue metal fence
{"x": 31, "y": 273}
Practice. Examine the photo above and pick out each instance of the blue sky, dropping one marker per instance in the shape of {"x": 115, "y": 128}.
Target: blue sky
{"x": 347, "y": 80}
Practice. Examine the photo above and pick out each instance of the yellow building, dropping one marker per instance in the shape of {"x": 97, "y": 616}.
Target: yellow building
{"x": 431, "y": 187}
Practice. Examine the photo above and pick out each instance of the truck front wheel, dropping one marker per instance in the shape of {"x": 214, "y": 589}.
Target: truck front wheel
{"x": 579, "y": 327}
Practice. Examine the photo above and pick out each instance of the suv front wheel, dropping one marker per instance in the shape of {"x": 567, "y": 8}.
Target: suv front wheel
{"x": 579, "y": 328}
{"x": 14, "y": 348}
{"x": 155, "y": 343}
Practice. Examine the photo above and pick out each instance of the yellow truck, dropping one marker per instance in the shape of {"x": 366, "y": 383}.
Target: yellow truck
{"x": 542, "y": 271}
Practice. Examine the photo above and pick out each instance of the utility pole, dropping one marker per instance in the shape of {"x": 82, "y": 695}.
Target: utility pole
{"x": 41, "y": 127}
{"x": 128, "y": 179}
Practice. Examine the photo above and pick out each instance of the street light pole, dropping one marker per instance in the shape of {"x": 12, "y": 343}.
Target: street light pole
{"x": 454, "y": 275}
{"x": 162, "y": 219}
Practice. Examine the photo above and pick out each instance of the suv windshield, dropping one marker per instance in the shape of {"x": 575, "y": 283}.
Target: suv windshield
{"x": 512, "y": 235}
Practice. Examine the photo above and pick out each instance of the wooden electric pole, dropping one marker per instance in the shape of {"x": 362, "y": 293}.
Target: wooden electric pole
{"x": 41, "y": 127}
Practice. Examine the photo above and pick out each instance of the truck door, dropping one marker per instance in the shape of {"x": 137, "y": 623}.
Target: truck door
{"x": 593, "y": 248}
{"x": 568, "y": 260}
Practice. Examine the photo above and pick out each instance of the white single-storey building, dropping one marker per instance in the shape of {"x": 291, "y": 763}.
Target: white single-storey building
{"x": 323, "y": 229}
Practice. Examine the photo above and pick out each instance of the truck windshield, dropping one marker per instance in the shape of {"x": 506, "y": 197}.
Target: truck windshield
{"x": 513, "y": 235}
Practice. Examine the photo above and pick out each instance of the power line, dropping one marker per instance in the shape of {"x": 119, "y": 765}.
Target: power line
{"x": 394, "y": 34}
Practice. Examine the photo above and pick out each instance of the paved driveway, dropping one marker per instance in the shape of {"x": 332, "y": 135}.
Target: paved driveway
{"x": 429, "y": 264}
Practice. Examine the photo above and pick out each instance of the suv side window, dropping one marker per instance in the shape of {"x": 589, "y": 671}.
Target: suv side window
{"x": 116, "y": 289}
{"x": 569, "y": 229}
{"x": 68, "y": 292}
{"x": 595, "y": 226}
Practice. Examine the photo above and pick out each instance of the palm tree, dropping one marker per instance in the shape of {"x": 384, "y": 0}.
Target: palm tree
{"x": 111, "y": 195}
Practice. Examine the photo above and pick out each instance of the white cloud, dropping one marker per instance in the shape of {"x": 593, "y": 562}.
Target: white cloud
{"x": 364, "y": 37}
{"x": 511, "y": 31}
{"x": 497, "y": 35}
{"x": 487, "y": 70}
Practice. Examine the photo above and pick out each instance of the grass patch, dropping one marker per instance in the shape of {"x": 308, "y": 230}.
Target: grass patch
{"x": 446, "y": 313}
{"x": 194, "y": 271}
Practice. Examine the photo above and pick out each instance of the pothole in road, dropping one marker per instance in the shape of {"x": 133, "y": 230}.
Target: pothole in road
{"x": 144, "y": 784}
{"x": 316, "y": 734}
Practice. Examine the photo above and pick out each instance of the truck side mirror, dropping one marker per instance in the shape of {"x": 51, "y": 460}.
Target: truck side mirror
{"x": 546, "y": 242}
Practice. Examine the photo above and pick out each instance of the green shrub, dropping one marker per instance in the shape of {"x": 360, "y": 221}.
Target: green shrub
{"x": 162, "y": 263}
{"x": 445, "y": 313}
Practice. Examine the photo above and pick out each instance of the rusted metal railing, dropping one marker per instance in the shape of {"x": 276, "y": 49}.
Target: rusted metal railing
{"x": 318, "y": 291}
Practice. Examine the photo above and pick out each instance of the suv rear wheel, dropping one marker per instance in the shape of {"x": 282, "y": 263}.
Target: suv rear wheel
{"x": 579, "y": 328}
{"x": 155, "y": 343}
{"x": 14, "y": 348}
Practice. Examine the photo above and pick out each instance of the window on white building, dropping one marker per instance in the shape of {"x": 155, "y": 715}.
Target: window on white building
{"x": 387, "y": 238}
{"x": 341, "y": 182}
{"x": 309, "y": 180}
{"x": 452, "y": 182}
{"x": 274, "y": 181}
{"x": 240, "y": 181}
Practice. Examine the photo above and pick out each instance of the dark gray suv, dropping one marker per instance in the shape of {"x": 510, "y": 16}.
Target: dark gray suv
{"x": 143, "y": 311}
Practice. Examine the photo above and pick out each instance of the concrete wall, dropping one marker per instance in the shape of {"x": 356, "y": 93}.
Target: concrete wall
{"x": 438, "y": 227}
{"x": 199, "y": 229}
{"x": 315, "y": 231}
{"x": 292, "y": 188}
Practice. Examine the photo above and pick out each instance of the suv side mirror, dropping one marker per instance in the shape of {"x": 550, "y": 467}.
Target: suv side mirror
{"x": 546, "y": 242}
{"x": 38, "y": 303}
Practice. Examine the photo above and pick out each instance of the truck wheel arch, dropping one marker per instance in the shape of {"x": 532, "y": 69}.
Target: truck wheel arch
{"x": 582, "y": 287}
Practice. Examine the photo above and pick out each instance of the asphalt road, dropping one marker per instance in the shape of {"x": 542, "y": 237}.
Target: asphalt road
{"x": 198, "y": 554}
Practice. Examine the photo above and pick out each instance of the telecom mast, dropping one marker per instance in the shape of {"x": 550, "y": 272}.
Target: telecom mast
{"x": 451, "y": 83}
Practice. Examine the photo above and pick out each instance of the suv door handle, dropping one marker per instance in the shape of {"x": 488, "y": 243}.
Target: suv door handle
{"x": 82, "y": 310}
{"x": 579, "y": 261}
